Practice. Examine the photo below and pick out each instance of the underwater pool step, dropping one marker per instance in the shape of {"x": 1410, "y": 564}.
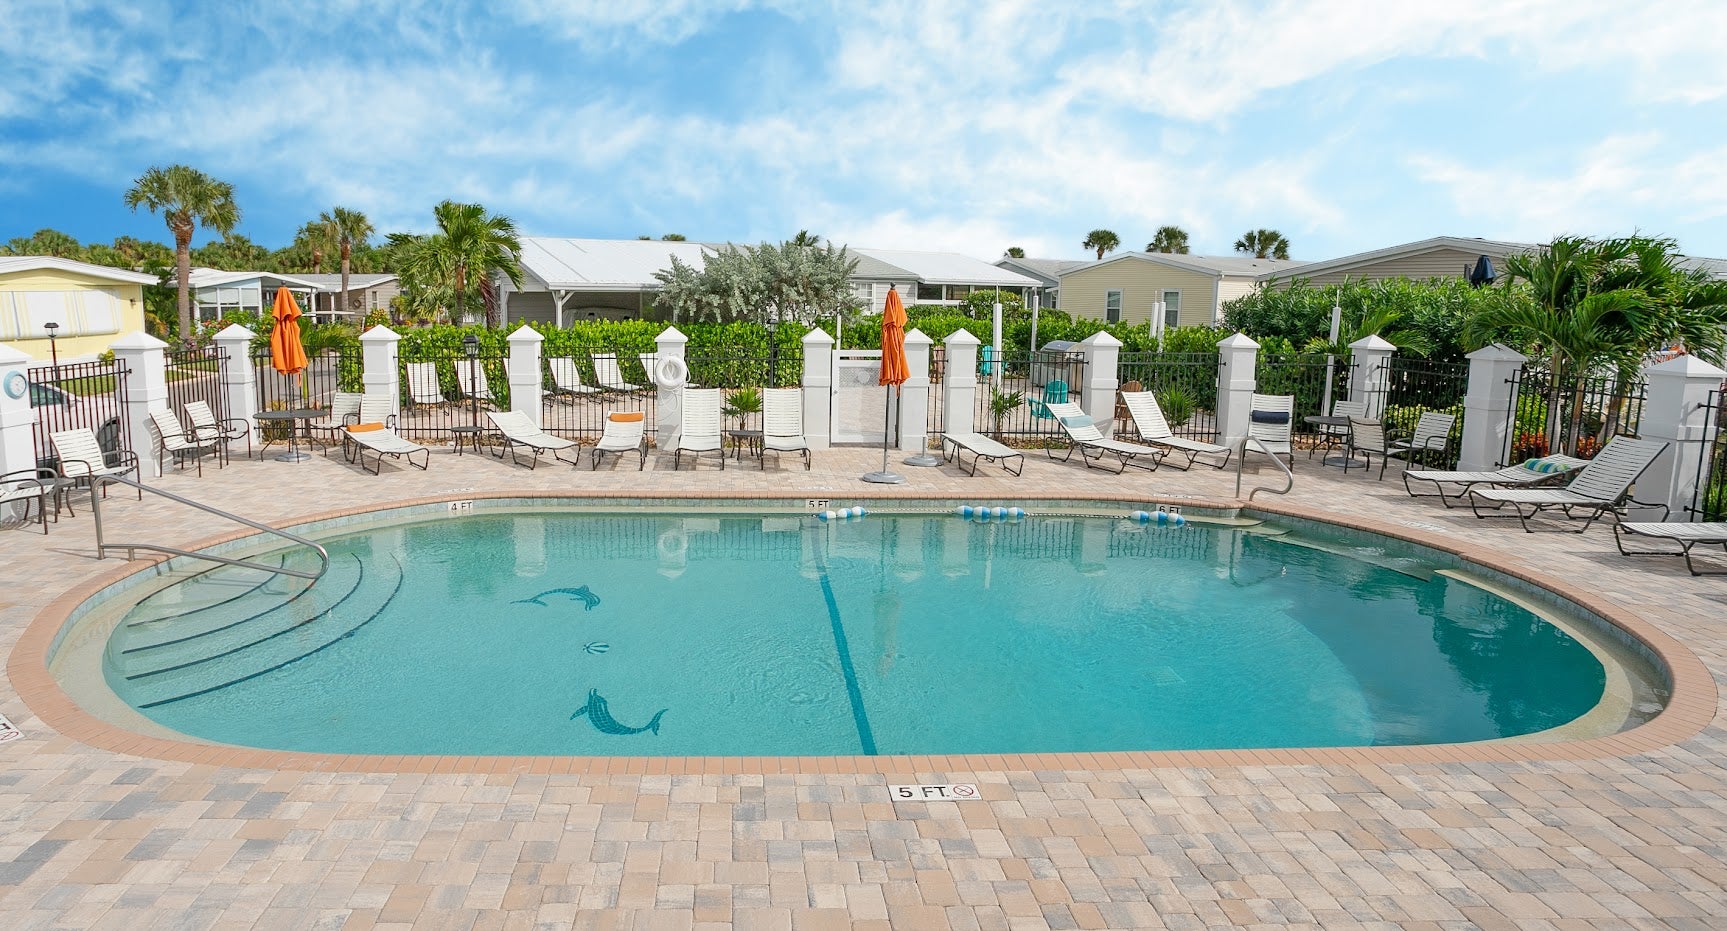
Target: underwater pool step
{"x": 188, "y": 592}
{"x": 357, "y": 607}
{"x": 216, "y": 628}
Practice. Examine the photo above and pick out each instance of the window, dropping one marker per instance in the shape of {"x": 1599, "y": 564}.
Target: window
{"x": 1171, "y": 309}
{"x": 1112, "y": 307}
{"x": 76, "y": 313}
{"x": 928, "y": 292}
{"x": 958, "y": 292}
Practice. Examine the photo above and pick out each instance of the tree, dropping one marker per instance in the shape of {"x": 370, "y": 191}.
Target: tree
{"x": 1263, "y": 244}
{"x": 1015, "y": 252}
{"x": 45, "y": 242}
{"x": 447, "y": 267}
{"x": 348, "y": 228}
{"x": 766, "y": 284}
{"x": 1101, "y": 240}
{"x": 806, "y": 238}
{"x": 233, "y": 252}
{"x": 1168, "y": 239}
{"x": 187, "y": 199}
{"x": 672, "y": 237}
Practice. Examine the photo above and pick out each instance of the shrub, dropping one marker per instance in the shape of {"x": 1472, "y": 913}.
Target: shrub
{"x": 1178, "y": 406}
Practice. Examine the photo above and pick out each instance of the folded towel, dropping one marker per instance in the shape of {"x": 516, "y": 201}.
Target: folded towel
{"x": 1278, "y": 417}
{"x": 1543, "y": 465}
{"x": 1078, "y": 420}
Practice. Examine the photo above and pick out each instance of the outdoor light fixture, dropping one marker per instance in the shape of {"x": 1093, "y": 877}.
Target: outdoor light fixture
{"x": 53, "y": 351}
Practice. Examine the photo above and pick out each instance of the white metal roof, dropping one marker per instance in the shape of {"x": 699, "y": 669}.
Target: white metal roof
{"x": 212, "y": 277}
{"x": 1218, "y": 266}
{"x": 356, "y": 282}
{"x": 1492, "y": 247}
{"x": 604, "y": 264}
{"x": 950, "y": 268}
{"x": 28, "y": 263}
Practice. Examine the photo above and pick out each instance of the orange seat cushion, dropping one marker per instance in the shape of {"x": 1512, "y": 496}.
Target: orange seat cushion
{"x": 364, "y": 427}
{"x": 630, "y": 417}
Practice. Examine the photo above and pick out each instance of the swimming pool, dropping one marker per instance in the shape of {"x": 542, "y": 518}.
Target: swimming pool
{"x": 776, "y": 634}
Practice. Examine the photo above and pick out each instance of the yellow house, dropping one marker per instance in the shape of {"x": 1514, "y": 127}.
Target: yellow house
{"x": 1192, "y": 288}
{"x": 1439, "y": 257}
{"x": 89, "y": 306}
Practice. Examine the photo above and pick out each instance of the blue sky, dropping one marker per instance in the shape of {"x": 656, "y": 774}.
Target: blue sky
{"x": 966, "y": 127}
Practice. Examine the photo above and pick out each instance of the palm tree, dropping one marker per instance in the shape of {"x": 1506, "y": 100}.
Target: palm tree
{"x": 45, "y": 242}
{"x": 469, "y": 246}
{"x": 1101, "y": 240}
{"x": 348, "y": 228}
{"x": 1168, "y": 239}
{"x": 187, "y": 199}
{"x": 672, "y": 237}
{"x": 1263, "y": 244}
{"x": 1015, "y": 252}
{"x": 806, "y": 238}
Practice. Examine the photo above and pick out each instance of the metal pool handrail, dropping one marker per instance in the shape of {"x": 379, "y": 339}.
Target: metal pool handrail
{"x": 1241, "y": 457}
{"x": 132, "y": 548}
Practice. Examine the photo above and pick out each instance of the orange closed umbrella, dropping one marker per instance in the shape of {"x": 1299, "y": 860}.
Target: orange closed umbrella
{"x": 893, "y": 372}
{"x": 286, "y": 354}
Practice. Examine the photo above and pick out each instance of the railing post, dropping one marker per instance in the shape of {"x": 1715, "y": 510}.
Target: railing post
{"x": 1102, "y": 359}
{"x": 668, "y": 402}
{"x": 914, "y": 394}
{"x": 1487, "y": 406}
{"x": 1371, "y": 382}
{"x": 1677, "y": 411}
{"x": 526, "y": 383}
{"x": 1237, "y": 378}
{"x": 959, "y": 383}
{"x": 17, "y": 440}
{"x": 382, "y": 370}
{"x": 818, "y": 381}
{"x": 146, "y": 365}
{"x": 237, "y": 378}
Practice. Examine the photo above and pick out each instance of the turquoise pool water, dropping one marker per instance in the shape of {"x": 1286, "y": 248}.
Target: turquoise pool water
{"x": 653, "y": 634}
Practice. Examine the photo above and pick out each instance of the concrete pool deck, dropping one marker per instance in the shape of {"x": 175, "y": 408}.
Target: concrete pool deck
{"x": 1625, "y": 834}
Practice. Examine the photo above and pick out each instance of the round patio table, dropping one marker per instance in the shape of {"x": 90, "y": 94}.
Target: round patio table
{"x": 293, "y": 418}
{"x": 1325, "y": 420}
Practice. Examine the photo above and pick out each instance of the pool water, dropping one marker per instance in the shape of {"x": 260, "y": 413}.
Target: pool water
{"x": 653, "y": 634}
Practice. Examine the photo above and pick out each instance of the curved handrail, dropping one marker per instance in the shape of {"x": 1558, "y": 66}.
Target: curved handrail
{"x": 1241, "y": 457}
{"x": 132, "y": 548}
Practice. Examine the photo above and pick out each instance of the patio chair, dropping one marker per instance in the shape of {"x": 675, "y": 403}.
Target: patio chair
{"x": 1602, "y": 486}
{"x": 609, "y": 377}
{"x": 1084, "y": 436}
{"x": 1544, "y": 471}
{"x": 783, "y": 424}
{"x": 205, "y": 425}
{"x": 368, "y": 409}
{"x": 625, "y": 431}
{"x": 377, "y": 438}
{"x": 174, "y": 441}
{"x": 1432, "y": 435}
{"x": 700, "y": 428}
{"x": 423, "y": 384}
{"x": 344, "y": 410}
{"x": 1147, "y": 417}
{"x": 519, "y": 430}
{"x": 1686, "y": 535}
{"x": 567, "y": 380}
{"x": 83, "y": 460}
{"x": 650, "y": 365}
{"x": 1333, "y": 436}
{"x": 1368, "y": 438}
{"x": 18, "y": 489}
{"x": 471, "y": 379}
{"x": 981, "y": 447}
{"x": 1269, "y": 420}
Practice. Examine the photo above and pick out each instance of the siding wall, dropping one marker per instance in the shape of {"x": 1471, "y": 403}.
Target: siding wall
{"x": 75, "y": 348}
{"x": 538, "y": 306}
{"x": 1141, "y": 283}
{"x": 1228, "y": 290}
{"x": 1436, "y": 263}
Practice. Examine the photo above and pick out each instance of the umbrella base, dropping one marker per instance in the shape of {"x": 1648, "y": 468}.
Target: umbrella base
{"x": 923, "y": 460}
{"x": 884, "y": 478}
{"x": 292, "y": 457}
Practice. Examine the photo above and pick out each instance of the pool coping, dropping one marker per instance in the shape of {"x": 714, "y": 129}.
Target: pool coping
{"x": 1691, "y": 706}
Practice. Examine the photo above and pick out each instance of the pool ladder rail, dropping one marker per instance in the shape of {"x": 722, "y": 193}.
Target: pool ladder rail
{"x": 1241, "y": 457}
{"x": 102, "y": 547}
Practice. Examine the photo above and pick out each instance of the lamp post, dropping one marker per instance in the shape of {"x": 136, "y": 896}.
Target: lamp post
{"x": 471, "y": 346}
{"x": 53, "y": 351}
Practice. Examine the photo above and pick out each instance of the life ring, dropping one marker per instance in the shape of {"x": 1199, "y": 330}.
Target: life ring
{"x": 671, "y": 372}
{"x": 673, "y": 544}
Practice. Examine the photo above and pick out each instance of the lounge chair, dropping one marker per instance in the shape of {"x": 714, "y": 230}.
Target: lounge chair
{"x": 1544, "y": 471}
{"x": 374, "y": 434}
{"x": 608, "y": 376}
{"x": 83, "y": 460}
{"x": 344, "y": 410}
{"x": 519, "y": 430}
{"x": 206, "y": 426}
{"x": 423, "y": 384}
{"x": 625, "y": 431}
{"x": 1084, "y": 436}
{"x": 783, "y": 424}
{"x": 1270, "y": 421}
{"x": 1602, "y": 486}
{"x": 175, "y": 441}
{"x": 1686, "y": 535}
{"x": 1332, "y": 436}
{"x": 567, "y": 379}
{"x": 1432, "y": 435}
{"x": 18, "y": 489}
{"x": 980, "y": 447}
{"x": 699, "y": 431}
{"x": 1366, "y": 437}
{"x": 471, "y": 379}
{"x": 1148, "y": 419}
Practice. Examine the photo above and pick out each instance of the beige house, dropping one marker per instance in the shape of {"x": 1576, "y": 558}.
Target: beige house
{"x": 1128, "y": 286}
{"x": 89, "y": 305}
{"x": 1439, "y": 257}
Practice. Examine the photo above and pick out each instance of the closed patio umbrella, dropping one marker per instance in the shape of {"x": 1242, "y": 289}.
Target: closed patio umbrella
{"x": 288, "y": 356}
{"x": 893, "y": 373}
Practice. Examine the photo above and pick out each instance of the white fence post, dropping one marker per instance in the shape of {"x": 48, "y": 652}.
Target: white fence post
{"x": 959, "y": 383}
{"x": 818, "y": 382}
{"x": 1371, "y": 380}
{"x": 1237, "y": 379}
{"x": 17, "y": 418}
{"x": 914, "y": 394}
{"x": 238, "y": 380}
{"x": 1102, "y": 362}
{"x": 527, "y": 386}
{"x": 146, "y": 390}
{"x": 668, "y": 402}
{"x": 1487, "y": 406}
{"x": 382, "y": 371}
{"x": 1676, "y": 411}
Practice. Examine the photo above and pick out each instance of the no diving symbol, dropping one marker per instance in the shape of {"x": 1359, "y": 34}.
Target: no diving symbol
{"x": 949, "y": 792}
{"x": 964, "y": 791}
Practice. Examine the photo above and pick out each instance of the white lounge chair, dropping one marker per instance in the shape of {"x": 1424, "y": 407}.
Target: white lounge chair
{"x": 783, "y": 424}
{"x": 174, "y": 441}
{"x": 344, "y": 410}
{"x": 567, "y": 379}
{"x": 1602, "y": 486}
{"x": 981, "y": 447}
{"x": 374, "y": 434}
{"x": 1153, "y": 427}
{"x": 610, "y": 377}
{"x": 1544, "y": 471}
{"x": 83, "y": 460}
{"x": 700, "y": 427}
{"x": 625, "y": 431}
{"x": 1686, "y": 535}
{"x": 471, "y": 379}
{"x": 1084, "y": 436}
{"x": 423, "y": 384}
{"x": 205, "y": 425}
{"x": 1432, "y": 435}
{"x": 519, "y": 430}
{"x": 1270, "y": 421}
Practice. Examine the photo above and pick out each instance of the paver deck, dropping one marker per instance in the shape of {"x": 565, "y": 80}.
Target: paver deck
{"x": 1626, "y": 835}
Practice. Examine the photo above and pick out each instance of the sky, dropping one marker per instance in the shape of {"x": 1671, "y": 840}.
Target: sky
{"x": 966, "y": 126}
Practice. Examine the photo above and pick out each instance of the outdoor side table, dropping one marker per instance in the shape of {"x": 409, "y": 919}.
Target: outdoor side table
{"x": 468, "y": 436}
{"x": 1325, "y": 420}
{"x": 743, "y": 438}
{"x": 293, "y": 418}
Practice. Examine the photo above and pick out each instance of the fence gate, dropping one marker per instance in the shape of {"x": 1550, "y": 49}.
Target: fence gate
{"x": 859, "y": 406}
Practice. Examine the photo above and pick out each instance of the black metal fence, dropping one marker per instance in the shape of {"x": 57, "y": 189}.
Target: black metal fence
{"x": 433, "y": 402}
{"x": 73, "y": 395}
{"x": 1710, "y": 504}
{"x": 326, "y": 373}
{"x": 195, "y": 374}
{"x": 1574, "y": 415}
{"x": 1013, "y": 389}
{"x": 1185, "y": 385}
{"x": 1306, "y": 375}
{"x": 1416, "y": 385}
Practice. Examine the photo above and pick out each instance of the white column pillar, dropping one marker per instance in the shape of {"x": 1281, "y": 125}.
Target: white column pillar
{"x": 1371, "y": 380}
{"x": 238, "y": 379}
{"x": 146, "y": 390}
{"x": 383, "y": 373}
{"x": 668, "y": 402}
{"x": 1102, "y": 376}
{"x": 959, "y": 383}
{"x": 818, "y": 383}
{"x": 914, "y": 394}
{"x": 17, "y": 419}
{"x": 1676, "y": 412}
{"x": 1237, "y": 379}
{"x": 1487, "y": 406}
{"x": 527, "y": 386}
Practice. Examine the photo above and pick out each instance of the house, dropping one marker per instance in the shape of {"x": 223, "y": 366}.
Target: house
{"x": 89, "y": 305}
{"x": 216, "y": 292}
{"x": 366, "y": 293}
{"x": 1048, "y": 273}
{"x": 1127, "y": 286}
{"x": 1439, "y": 257}
{"x": 940, "y": 278}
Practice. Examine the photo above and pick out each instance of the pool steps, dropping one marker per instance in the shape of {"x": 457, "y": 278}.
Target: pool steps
{"x": 300, "y": 603}
{"x": 205, "y": 588}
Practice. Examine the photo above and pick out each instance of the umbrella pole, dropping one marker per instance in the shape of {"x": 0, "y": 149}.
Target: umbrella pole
{"x": 884, "y": 477}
